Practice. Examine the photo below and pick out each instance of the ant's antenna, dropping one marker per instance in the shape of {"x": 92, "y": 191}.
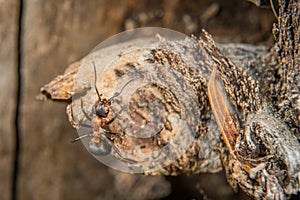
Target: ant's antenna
{"x": 95, "y": 73}
{"x": 118, "y": 93}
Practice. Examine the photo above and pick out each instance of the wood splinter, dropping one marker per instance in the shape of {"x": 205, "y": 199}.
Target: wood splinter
{"x": 221, "y": 112}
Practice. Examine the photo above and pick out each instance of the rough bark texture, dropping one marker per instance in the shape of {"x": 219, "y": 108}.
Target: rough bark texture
{"x": 286, "y": 75}
{"x": 257, "y": 151}
{"x": 262, "y": 138}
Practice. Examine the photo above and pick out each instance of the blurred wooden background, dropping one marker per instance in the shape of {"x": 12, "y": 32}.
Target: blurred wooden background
{"x": 58, "y": 32}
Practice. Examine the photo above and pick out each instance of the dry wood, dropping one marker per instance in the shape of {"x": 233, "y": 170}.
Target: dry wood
{"x": 262, "y": 100}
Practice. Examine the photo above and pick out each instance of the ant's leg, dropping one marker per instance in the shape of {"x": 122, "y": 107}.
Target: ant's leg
{"x": 85, "y": 125}
{"x": 111, "y": 120}
{"x": 85, "y": 114}
{"x": 82, "y": 137}
{"x": 106, "y": 126}
{"x": 81, "y": 124}
{"x": 121, "y": 157}
{"x": 118, "y": 152}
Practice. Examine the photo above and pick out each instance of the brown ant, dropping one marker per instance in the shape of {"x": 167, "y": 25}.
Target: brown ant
{"x": 99, "y": 143}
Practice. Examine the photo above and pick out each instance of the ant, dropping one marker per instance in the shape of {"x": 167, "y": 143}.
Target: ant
{"x": 99, "y": 143}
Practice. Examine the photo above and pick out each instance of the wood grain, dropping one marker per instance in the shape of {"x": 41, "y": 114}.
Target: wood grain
{"x": 8, "y": 88}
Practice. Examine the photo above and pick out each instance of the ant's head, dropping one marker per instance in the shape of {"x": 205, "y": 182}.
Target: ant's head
{"x": 101, "y": 108}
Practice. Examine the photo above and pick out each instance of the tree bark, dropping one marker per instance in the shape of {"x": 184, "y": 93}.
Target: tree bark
{"x": 256, "y": 159}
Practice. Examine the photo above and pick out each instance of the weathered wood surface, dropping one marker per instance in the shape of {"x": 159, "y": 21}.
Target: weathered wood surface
{"x": 9, "y": 13}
